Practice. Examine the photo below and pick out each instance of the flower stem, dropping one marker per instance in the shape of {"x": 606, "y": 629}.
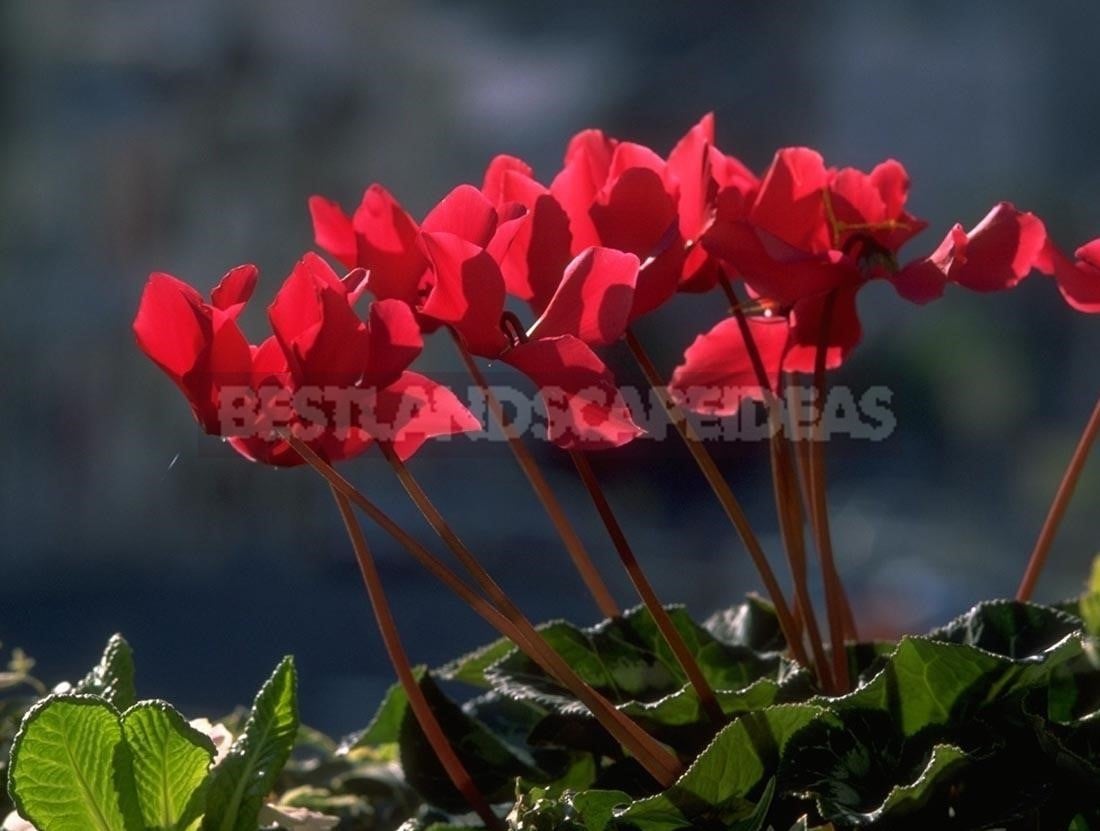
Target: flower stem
{"x": 577, "y": 552}
{"x": 725, "y": 496}
{"x": 661, "y": 617}
{"x": 785, "y": 487}
{"x": 1058, "y": 508}
{"x": 580, "y": 556}
{"x": 802, "y": 457}
{"x": 387, "y": 626}
{"x": 664, "y": 767}
{"x": 657, "y": 760}
{"x": 834, "y": 598}
{"x": 429, "y": 561}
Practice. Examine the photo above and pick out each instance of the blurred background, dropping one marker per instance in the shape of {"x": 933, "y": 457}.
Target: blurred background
{"x": 139, "y": 135}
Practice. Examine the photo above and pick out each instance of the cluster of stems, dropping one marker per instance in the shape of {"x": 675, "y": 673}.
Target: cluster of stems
{"x": 799, "y": 487}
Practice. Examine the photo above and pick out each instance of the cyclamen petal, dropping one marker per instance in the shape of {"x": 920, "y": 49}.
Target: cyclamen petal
{"x": 872, "y": 205}
{"x": 539, "y": 246}
{"x": 171, "y": 325}
{"x": 629, "y": 155}
{"x": 594, "y": 298}
{"x": 1079, "y": 282}
{"x": 198, "y": 346}
{"x": 807, "y": 320}
{"x": 708, "y": 183}
{"x": 790, "y": 204}
{"x": 717, "y": 373}
{"x": 776, "y": 270}
{"x": 587, "y": 163}
{"x": 387, "y": 246}
{"x": 997, "y": 253}
{"x": 464, "y": 212}
{"x": 689, "y": 165}
{"x": 468, "y": 293}
{"x": 395, "y": 342}
{"x": 585, "y": 410}
{"x": 497, "y": 182}
{"x": 414, "y": 409}
{"x": 324, "y": 339}
{"x": 333, "y": 231}
{"x": 638, "y": 216}
{"x": 235, "y": 289}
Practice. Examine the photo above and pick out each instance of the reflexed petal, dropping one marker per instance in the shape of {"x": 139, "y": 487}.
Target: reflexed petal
{"x": 594, "y": 298}
{"x": 718, "y": 374}
{"x": 775, "y": 270}
{"x": 387, "y": 240}
{"x": 585, "y": 410}
{"x": 325, "y": 341}
{"x": 533, "y": 259}
{"x": 790, "y": 204}
{"x": 875, "y": 199}
{"x": 639, "y": 217}
{"x": 998, "y": 252}
{"x": 464, "y": 212}
{"x": 1078, "y": 281}
{"x": 496, "y": 184}
{"x": 468, "y": 294}
{"x": 395, "y": 341}
{"x": 807, "y": 319}
{"x": 587, "y": 162}
{"x": 172, "y": 326}
{"x": 689, "y": 164}
{"x": 333, "y": 231}
{"x": 414, "y": 409}
{"x": 635, "y": 214}
{"x": 629, "y": 155}
{"x": 920, "y": 281}
{"x": 235, "y": 289}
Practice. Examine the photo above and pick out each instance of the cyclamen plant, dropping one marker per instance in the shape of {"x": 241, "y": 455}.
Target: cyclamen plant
{"x": 617, "y": 233}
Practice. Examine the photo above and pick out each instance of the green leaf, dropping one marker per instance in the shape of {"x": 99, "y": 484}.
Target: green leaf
{"x": 113, "y": 677}
{"x": 1009, "y": 628}
{"x": 470, "y": 668}
{"x": 170, "y": 762}
{"x": 945, "y": 758}
{"x": 720, "y": 785}
{"x": 928, "y": 682}
{"x": 385, "y": 727}
{"x": 683, "y": 707}
{"x": 752, "y": 624}
{"x": 595, "y": 808}
{"x": 627, "y": 659}
{"x": 493, "y": 765}
{"x": 1090, "y": 601}
{"x": 244, "y": 777}
{"x": 70, "y": 767}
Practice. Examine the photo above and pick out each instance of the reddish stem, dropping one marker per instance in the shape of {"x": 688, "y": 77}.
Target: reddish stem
{"x": 387, "y": 626}
{"x": 724, "y": 495}
{"x": 785, "y": 488}
{"x": 802, "y": 458}
{"x": 658, "y": 761}
{"x": 645, "y": 590}
{"x": 1058, "y": 508}
{"x": 834, "y": 597}
{"x": 518, "y": 629}
{"x": 577, "y": 552}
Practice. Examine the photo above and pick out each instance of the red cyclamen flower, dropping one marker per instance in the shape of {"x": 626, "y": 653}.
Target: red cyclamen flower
{"x": 335, "y": 380}
{"x": 451, "y": 270}
{"x": 805, "y": 241}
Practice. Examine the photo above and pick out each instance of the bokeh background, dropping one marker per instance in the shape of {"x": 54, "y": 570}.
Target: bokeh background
{"x": 139, "y": 135}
